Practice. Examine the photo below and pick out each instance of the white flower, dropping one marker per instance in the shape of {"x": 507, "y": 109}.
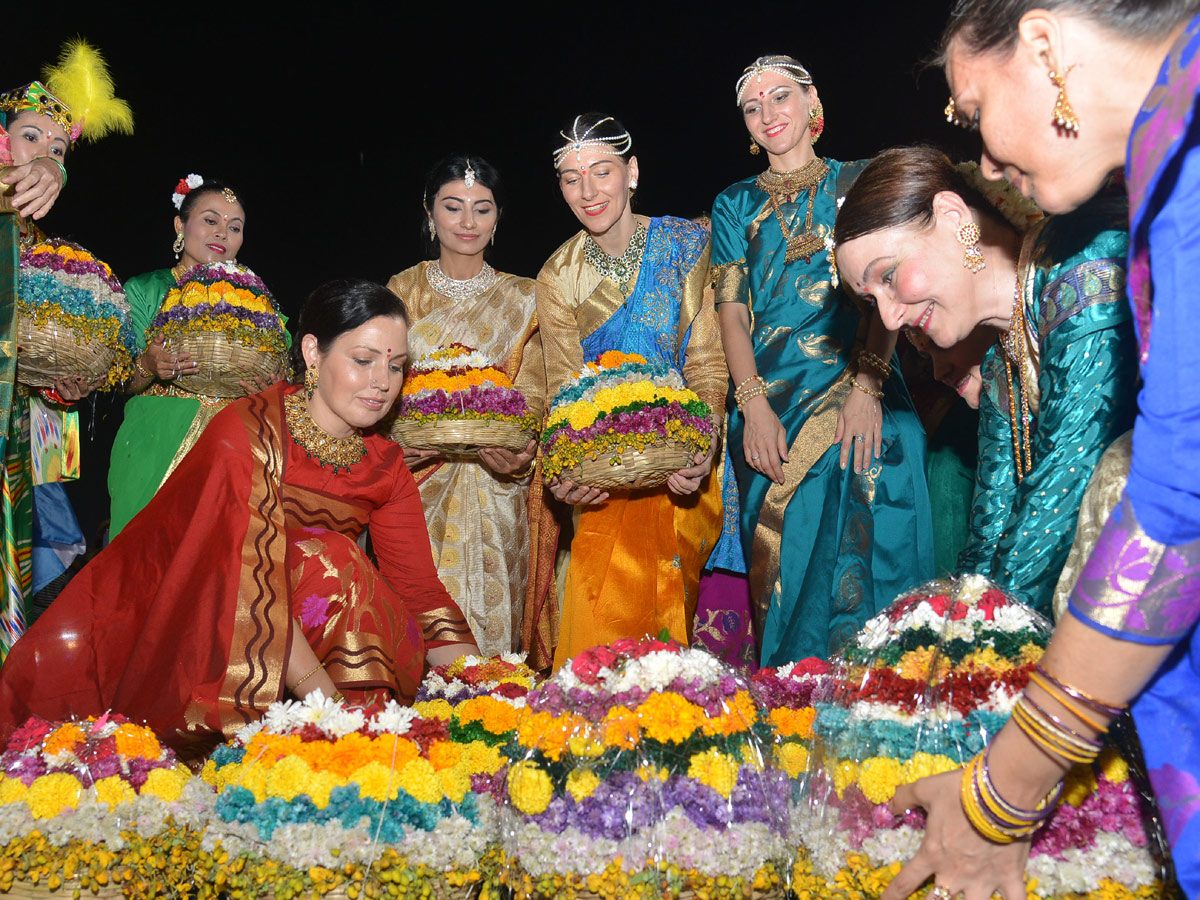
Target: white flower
{"x": 841, "y": 200}
{"x": 194, "y": 181}
{"x": 281, "y": 717}
{"x": 393, "y": 719}
{"x": 247, "y": 732}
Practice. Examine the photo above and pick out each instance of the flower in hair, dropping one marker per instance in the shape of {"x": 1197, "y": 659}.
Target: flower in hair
{"x": 185, "y": 187}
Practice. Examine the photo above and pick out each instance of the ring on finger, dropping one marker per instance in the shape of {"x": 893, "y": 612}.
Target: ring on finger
{"x": 860, "y": 437}
{"x": 939, "y": 892}
{"x": 755, "y": 456}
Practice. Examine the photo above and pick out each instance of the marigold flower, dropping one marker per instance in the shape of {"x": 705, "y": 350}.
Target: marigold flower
{"x": 582, "y": 783}
{"x": 420, "y": 780}
{"x": 793, "y": 758}
{"x": 529, "y": 788}
{"x": 51, "y": 794}
{"x": 115, "y": 790}
{"x": 63, "y": 738}
{"x": 715, "y": 769}
{"x": 879, "y": 777}
{"x": 670, "y": 717}
{"x": 620, "y": 728}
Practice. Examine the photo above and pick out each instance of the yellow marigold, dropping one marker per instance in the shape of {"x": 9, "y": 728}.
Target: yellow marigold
{"x": 844, "y": 774}
{"x": 495, "y": 716}
{"x": 793, "y": 722}
{"x": 584, "y": 746}
{"x": 253, "y": 779}
{"x": 51, "y": 794}
{"x": 620, "y": 728}
{"x": 288, "y": 778}
{"x": 918, "y": 664}
{"x": 792, "y": 757}
{"x": 582, "y": 783}
{"x": 420, "y": 780}
{"x": 921, "y": 765}
{"x": 581, "y": 414}
{"x": 646, "y": 771}
{"x": 985, "y": 659}
{"x": 133, "y": 740}
{"x": 715, "y": 769}
{"x": 114, "y": 790}
{"x": 166, "y": 784}
{"x": 64, "y": 737}
{"x": 879, "y": 777}
{"x": 434, "y": 709}
{"x": 478, "y": 757}
{"x": 208, "y": 774}
{"x": 1113, "y": 765}
{"x": 529, "y": 788}
{"x": 319, "y": 786}
{"x": 11, "y": 790}
{"x": 670, "y": 717}
{"x": 455, "y": 783}
{"x": 1080, "y": 784}
{"x": 444, "y": 755}
{"x": 1030, "y": 653}
{"x": 377, "y": 781}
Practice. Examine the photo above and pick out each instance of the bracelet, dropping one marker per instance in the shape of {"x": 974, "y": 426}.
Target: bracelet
{"x": 746, "y": 381}
{"x": 1066, "y": 702}
{"x": 749, "y": 395}
{"x": 1099, "y": 706}
{"x": 308, "y": 676}
{"x": 875, "y": 362}
{"x": 337, "y": 697}
{"x": 878, "y": 395}
{"x": 993, "y": 816}
{"x": 140, "y": 369}
{"x": 1052, "y": 735}
{"x": 59, "y": 163}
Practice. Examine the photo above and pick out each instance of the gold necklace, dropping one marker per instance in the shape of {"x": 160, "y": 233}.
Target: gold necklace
{"x": 177, "y": 270}
{"x": 319, "y": 444}
{"x": 622, "y": 269}
{"x": 781, "y": 187}
{"x": 1012, "y": 342}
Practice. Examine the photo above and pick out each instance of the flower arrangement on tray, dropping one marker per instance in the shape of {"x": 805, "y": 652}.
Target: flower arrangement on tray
{"x": 322, "y": 797}
{"x": 455, "y": 399}
{"x": 622, "y": 422}
{"x": 72, "y": 317}
{"x": 96, "y": 805}
{"x": 223, "y": 315}
{"x": 922, "y": 689}
{"x": 638, "y": 770}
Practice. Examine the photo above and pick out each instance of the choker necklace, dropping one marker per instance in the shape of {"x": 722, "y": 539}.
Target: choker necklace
{"x": 455, "y": 289}
{"x": 319, "y": 444}
{"x": 1012, "y": 342}
{"x": 622, "y": 269}
{"x": 782, "y": 187}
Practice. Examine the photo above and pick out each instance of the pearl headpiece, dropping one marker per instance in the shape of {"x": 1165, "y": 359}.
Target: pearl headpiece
{"x": 575, "y": 142}
{"x": 780, "y": 65}
{"x": 469, "y": 176}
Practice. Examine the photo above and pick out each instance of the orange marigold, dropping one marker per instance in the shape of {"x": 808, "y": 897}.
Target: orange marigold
{"x": 63, "y": 738}
{"x": 670, "y": 717}
{"x": 620, "y": 728}
{"x": 793, "y": 722}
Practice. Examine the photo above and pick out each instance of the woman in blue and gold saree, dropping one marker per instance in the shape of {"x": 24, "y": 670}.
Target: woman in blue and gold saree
{"x": 635, "y": 285}
{"x": 827, "y": 545}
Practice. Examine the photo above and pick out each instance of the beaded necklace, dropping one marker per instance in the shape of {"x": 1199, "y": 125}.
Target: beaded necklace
{"x": 782, "y": 187}
{"x": 319, "y": 444}
{"x": 621, "y": 269}
{"x": 455, "y": 289}
{"x": 1012, "y": 342}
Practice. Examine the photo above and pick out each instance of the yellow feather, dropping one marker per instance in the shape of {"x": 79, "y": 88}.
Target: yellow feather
{"x": 81, "y": 80}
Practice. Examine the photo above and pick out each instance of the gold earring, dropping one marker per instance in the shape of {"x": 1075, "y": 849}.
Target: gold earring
{"x": 178, "y": 245}
{"x": 432, "y": 231}
{"x": 493, "y": 240}
{"x": 1064, "y": 116}
{"x": 310, "y": 381}
{"x": 968, "y": 236}
{"x": 754, "y": 148}
{"x": 816, "y": 122}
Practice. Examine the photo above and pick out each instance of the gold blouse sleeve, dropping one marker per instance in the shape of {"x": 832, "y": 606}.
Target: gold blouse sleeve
{"x": 704, "y": 371}
{"x": 560, "y": 345}
{"x": 531, "y": 376}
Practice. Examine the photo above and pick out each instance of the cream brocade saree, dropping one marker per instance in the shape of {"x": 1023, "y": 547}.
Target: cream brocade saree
{"x": 478, "y": 522}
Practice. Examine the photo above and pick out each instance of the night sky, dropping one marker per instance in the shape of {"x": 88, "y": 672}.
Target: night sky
{"x": 327, "y": 119}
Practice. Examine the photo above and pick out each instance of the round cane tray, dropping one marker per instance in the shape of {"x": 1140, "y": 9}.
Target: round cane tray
{"x": 51, "y": 351}
{"x": 223, "y": 364}
{"x": 461, "y": 437}
{"x": 631, "y": 470}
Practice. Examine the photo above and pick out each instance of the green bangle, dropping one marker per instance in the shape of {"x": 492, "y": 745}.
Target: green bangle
{"x": 59, "y": 162}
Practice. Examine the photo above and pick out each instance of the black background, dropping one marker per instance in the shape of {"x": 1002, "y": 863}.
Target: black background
{"x": 327, "y": 116}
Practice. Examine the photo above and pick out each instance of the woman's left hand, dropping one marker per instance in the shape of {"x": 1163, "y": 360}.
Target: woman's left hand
{"x": 36, "y": 186}
{"x": 260, "y": 383}
{"x": 860, "y": 429}
{"x": 687, "y": 481}
{"x": 506, "y": 462}
{"x": 73, "y": 388}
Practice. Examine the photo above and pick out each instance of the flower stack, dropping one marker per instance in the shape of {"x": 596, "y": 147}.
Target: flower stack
{"x": 456, "y": 399}
{"x": 638, "y": 771}
{"x": 320, "y": 797}
{"x": 624, "y": 423}
{"x": 222, "y": 314}
{"x": 72, "y": 317}
{"x": 96, "y": 805}
{"x": 923, "y": 688}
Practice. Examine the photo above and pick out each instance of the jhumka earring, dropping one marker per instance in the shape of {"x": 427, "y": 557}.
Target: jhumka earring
{"x": 968, "y": 236}
{"x": 1064, "y": 115}
{"x": 310, "y": 381}
{"x": 816, "y": 122}
{"x": 178, "y": 245}
{"x": 432, "y": 230}
{"x": 754, "y": 148}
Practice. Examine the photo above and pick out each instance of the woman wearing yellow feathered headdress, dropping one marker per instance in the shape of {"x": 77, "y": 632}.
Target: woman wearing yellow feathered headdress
{"x": 39, "y": 122}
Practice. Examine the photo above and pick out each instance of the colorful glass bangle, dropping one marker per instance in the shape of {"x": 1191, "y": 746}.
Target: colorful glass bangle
{"x": 1066, "y": 702}
{"x": 1053, "y": 740}
{"x": 59, "y": 163}
{"x": 1099, "y": 706}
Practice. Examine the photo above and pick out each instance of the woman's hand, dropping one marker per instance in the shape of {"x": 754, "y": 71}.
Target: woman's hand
{"x": 72, "y": 388}
{"x": 505, "y": 462}
{"x": 764, "y": 441}
{"x": 260, "y": 383}
{"x": 414, "y": 457}
{"x": 37, "y": 186}
{"x": 957, "y": 857}
{"x": 860, "y": 427}
{"x": 688, "y": 481}
{"x": 166, "y": 365}
{"x": 566, "y": 491}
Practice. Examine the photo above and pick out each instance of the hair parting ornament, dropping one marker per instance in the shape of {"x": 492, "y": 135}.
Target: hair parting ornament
{"x": 575, "y": 142}
{"x": 469, "y": 176}
{"x": 780, "y": 65}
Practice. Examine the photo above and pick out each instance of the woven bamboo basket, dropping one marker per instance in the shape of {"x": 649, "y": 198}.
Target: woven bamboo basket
{"x": 460, "y": 437}
{"x": 223, "y": 363}
{"x": 40, "y": 891}
{"x": 631, "y": 470}
{"x": 52, "y": 351}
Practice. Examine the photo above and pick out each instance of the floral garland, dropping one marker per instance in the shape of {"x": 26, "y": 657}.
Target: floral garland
{"x": 620, "y": 403}
{"x": 62, "y": 285}
{"x": 226, "y": 298}
{"x": 457, "y": 382}
{"x": 919, "y": 692}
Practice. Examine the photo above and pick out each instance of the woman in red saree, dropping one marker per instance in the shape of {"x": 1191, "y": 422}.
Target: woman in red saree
{"x": 243, "y": 577}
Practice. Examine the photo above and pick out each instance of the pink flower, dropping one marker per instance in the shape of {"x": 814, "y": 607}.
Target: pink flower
{"x": 624, "y": 646}
{"x": 314, "y": 611}
{"x": 585, "y": 667}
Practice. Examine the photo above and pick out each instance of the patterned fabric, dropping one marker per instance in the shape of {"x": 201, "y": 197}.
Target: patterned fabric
{"x": 1082, "y": 376}
{"x": 828, "y": 548}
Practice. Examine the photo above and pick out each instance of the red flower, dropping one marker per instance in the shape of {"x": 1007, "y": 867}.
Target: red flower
{"x": 29, "y": 735}
{"x": 624, "y": 646}
{"x": 604, "y": 656}
{"x": 990, "y": 602}
{"x": 183, "y": 187}
{"x": 939, "y": 604}
{"x": 510, "y": 690}
{"x": 585, "y": 667}
{"x": 94, "y": 751}
{"x": 959, "y": 610}
{"x": 811, "y": 666}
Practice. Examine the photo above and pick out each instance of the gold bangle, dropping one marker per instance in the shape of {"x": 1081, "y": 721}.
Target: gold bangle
{"x": 308, "y": 676}
{"x": 876, "y": 362}
{"x": 871, "y": 392}
{"x": 337, "y": 697}
{"x": 140, "y": 369}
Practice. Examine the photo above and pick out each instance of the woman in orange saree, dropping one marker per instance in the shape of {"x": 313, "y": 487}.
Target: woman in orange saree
{"x": 243, "y": 577}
